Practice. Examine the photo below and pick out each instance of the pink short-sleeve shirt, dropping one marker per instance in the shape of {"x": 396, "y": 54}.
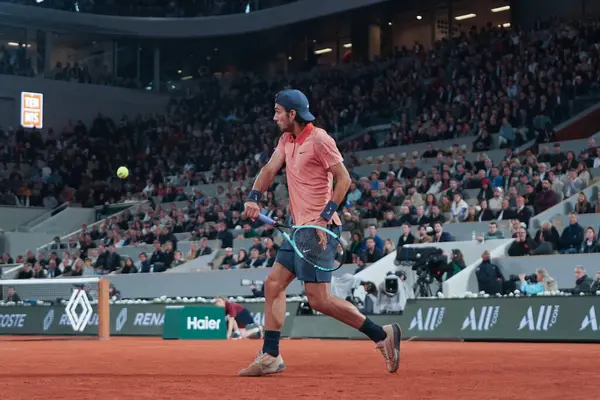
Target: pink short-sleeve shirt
{"x": 307, "y": 161}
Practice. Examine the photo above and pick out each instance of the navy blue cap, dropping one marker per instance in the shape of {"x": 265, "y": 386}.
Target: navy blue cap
{"x": 292, "y": 99}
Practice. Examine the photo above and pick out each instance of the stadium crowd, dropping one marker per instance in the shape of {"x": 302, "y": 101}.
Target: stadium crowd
{"x": 495, "y": 81}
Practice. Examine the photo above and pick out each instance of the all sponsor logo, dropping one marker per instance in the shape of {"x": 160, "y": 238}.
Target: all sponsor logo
{"x": 481, "y": 319}
{"x": 121, "y": 319}
{"x": 48, "y": 319}
{"x": 203, "y": 324}
{"x": 590, "y": 321}
{"x": 540, "y": 319}
{"x": 12, "y": 320}
{"x": 427, "y": 320}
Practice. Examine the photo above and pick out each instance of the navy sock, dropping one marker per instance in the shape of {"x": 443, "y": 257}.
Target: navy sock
{"x": 373, "y": 331}
{"x": 271, "y": 343}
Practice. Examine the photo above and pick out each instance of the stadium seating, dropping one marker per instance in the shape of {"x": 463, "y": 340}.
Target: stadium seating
{"x": 442, "y": 128}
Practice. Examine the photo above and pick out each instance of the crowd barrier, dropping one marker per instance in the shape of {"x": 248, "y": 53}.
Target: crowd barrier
{"x": 545, "y": 318}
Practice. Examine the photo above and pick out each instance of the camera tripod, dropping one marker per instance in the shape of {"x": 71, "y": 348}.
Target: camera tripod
{"x": 422, "y": 286}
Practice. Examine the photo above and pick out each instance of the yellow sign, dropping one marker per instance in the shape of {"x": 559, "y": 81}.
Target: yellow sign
{"x": 32, "y": 110}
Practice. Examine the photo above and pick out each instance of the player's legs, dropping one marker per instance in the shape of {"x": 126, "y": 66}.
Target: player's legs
{"x": 278, "y": 280}
{"x": 269, "y": 361}
{"x": 321, "y": 300}
{"x": 386, "y": 337}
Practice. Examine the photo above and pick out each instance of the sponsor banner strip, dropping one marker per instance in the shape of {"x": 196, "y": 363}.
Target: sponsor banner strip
{"x": 125, "y": 320}
{"x": 543, "y": 318}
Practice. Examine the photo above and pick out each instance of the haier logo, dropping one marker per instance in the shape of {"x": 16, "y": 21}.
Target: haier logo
{"x": 433, "y": 318}
{"x": 203, "y": 324}
{"x": 482, "y": 321}
{"x": 546, "y": 317}
{"x": 590, "y": 320}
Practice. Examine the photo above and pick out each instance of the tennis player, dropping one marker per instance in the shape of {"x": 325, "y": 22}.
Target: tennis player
{"x": 313, "y": 163}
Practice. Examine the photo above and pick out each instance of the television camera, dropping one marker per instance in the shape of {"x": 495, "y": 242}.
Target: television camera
{"x": 428, "y": 263}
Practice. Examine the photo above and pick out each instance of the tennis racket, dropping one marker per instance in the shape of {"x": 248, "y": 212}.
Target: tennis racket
{"x": 324, "y": 251}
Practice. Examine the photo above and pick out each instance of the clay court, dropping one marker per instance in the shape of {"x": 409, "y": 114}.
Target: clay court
{"x": 136, "y": 368}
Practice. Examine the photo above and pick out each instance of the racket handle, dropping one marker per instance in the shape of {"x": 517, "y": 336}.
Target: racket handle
{"x": 266, "y": 219}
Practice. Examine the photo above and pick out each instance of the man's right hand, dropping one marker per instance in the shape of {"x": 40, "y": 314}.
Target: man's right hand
{"x": 251, "y": 210}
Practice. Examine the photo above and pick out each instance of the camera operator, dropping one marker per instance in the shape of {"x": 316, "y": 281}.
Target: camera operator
{"x": 537, "y": 283}
{"x": 454, "y": 265}
{"x": 489, "y": 276}
{"x": 371, "y": 303}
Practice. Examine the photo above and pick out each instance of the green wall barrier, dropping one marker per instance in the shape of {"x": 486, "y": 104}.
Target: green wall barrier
{"x": 534, "y": 318}
{"x": 194, "y": 322}
{"x": 125, "y": 320}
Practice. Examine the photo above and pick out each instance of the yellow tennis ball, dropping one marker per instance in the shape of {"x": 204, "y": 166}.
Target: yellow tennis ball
{"x": 122, "y": 172}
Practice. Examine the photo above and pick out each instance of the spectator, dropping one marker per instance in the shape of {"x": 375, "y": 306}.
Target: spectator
{"x": 229, "y": 260}
{"x": 78, "y": 268}
{"x": 372, "y": 232}
{"x": 177, "y": 259}
{"x": 596, "y": 284}
{"x": 574, "y": 184}
{"x": 493, "y": 233}
{"x": 254, "y": 261}
{"x": 483, "y": 212}
{"x": 489, "y": 277}
{"x": 505, "y": 213}
{"x": 455, "y": 264}
{"x": 459, "y": 209}
{"x": 39, "y": 272}
{"x": 523, "y": 213}
{"x": 544, "y": 283}
{"x": 571, "y": 238}
{"x": 440, "y": 235}
{"x": 590, "y": 243}
{"x": 546, "y": 198}
{"x": 11, "y": 295}
{"x": 26, "y": 272}
{"x": 144, "y": 264}
{"x": 582, "y": 282}
{"x": 405, "y": 238}
{"x": 128, "y": 267}
{"x": 388, "y": 247}
{"x": 583, "y": 206}
{"x": 204, "y": 248}
{"x": 241, "y": 259}
{"x": 371, "y": 253}
{"x": 522, "y": 245}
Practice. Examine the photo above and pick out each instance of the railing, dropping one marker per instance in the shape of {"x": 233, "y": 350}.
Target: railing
{"x": 41, "y": 218}
{"x": 47, "y": 246}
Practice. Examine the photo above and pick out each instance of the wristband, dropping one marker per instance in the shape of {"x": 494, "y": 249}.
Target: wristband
{"x": 254, "y": 196}
{"x": 329, "y": 210}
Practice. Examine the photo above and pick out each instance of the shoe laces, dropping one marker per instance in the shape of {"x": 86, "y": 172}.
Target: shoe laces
{"x": 381, "y": 347}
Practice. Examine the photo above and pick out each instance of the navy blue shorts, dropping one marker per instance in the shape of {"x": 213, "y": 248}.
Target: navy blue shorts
{"x": 304, "y": 271}
{"x": 244, "y": 318}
